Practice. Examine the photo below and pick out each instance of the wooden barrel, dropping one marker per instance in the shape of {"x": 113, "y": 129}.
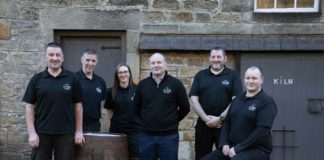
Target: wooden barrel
{"x": 103, "y": 146}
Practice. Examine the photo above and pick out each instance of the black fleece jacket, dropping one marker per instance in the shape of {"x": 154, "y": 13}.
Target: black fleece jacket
{"x": 160, "y": 107}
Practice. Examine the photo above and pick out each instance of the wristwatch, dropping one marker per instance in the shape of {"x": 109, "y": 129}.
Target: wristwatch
{"x": 222, "y": 118}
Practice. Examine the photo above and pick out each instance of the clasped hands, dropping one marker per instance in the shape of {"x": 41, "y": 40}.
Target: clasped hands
{"x": 213, "y": 121}
{"x": 227, "y": 151}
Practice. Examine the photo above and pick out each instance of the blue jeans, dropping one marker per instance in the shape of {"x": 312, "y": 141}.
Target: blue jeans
{"x": 162, "y": 147}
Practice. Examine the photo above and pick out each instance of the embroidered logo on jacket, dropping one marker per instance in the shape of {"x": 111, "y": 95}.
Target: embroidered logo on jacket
{"x": 67, "y": 86}
{"x": 98, "y": 90}
{"x": 225, "y": 82}
{"x": 167, "y": 90}
{"x": 252, "y": 107}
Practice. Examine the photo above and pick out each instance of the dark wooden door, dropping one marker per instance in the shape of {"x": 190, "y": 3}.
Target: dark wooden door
{"x": 110, "y": 47}
{"x": 295, "y": 81}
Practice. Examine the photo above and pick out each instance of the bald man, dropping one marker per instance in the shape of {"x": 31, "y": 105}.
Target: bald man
{"x": 246, "y": 132}
{"x": 161, "y": 103}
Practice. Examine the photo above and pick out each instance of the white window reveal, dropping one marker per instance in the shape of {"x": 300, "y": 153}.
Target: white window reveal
{"x": 286, "y": 6}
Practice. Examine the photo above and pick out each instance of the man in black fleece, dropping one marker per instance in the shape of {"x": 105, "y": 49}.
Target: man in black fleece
{"x": 246, "y": 132}
{"x": 161, "y": 103}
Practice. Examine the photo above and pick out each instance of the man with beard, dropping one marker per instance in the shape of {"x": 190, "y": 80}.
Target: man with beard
{"x": 93, "y": 91}
{"x": 211, "y": 93}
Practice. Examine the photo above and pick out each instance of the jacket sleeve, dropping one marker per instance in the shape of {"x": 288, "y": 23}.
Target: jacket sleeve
{"x": 182, "y": 102}
{"x": 138, "y": 101}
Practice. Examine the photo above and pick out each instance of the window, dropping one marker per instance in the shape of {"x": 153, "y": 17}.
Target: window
{"x": 283, "y": 6}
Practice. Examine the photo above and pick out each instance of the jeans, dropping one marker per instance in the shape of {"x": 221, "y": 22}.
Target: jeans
{"x": 158, "y": 147}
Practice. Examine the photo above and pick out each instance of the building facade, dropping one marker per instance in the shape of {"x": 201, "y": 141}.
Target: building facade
{"x": 285, "y": 38}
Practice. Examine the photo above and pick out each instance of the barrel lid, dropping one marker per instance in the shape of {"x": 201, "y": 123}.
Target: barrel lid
{"x": 104, "y": 134}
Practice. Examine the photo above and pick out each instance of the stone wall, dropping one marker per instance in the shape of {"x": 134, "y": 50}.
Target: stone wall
{"x": 27, "y": 25}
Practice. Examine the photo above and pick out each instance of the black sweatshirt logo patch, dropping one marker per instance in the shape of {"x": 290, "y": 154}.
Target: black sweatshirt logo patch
{"x": 252, "y": 107}
{"x": 167, "y": 90}
{"x": 67, "y": 86}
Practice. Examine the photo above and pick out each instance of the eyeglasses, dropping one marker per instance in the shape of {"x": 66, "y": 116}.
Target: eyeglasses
{"x": 123, "y": 72}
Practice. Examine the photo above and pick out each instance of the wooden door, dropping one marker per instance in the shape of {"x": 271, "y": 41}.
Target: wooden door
{"x": 295, "y": 81}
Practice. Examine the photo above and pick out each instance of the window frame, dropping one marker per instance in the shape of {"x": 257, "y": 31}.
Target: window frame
{"x": 288, "y": 10}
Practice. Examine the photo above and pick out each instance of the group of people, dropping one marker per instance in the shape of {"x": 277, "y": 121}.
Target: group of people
{"x": 61, "y": 106}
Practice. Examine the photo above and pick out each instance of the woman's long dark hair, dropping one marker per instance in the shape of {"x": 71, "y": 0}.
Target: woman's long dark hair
{"x": 116, "y": 85}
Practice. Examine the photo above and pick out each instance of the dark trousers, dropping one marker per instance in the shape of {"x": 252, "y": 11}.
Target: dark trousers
{"x": 252, "y": 154}
{"x": 132, "y": 141}
{"x": 158, "y": 147}
{"x": 91, "y": 125}
{"x": 205, "y": 139}
{"x": 62, "y": 145}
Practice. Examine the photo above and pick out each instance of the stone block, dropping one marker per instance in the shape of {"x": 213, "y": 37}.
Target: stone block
{"x": 87, "y": 2}
{"x": 132, "y": 41}
{"x": 10, "y": 105}
{"x": 30, "y": 40}
{"x": 10, "y": 155}
{"x": 133, "y": 60}
{"x": 166, "y": 29}
{"x": 184, "y": 151}
{"x": 9, "y": 9}
{"x": 5, "y": 30}
{"x": 200, "y": 4}
{"x": 4, "y": 57}
{"x": 18, "y": 140}
{"x": 96, "y": 19}
{"x": 186, "y": 124}
{"x": 181, "y": 17}
{"x": 128, "y": 2}
{"x": 200, "y": 60}
{"x": 21, "y": 70}
{"x": 227, "y": 17}
{"x": 175, "y": 60}
{"x": 202, "y": 17}
{"x": 6, "y": 90}
{"x": 189, "y": 71}
{"x": 9, "y": 45}
{"x": 237, "y": 6}
{"x": 189, "y": 135}
{"x": 24, "y": 25}
{"x": 53, "y": 2}
{"x": 3, "y": 138}
{"x": 26, "y": 58}
{"x": 8, "y": 119}
{"x": 153, "y": 16}
{"x": 166, "y": 4}
{"x": 30, "y": 13}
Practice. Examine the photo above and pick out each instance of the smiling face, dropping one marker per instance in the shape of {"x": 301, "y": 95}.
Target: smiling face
{"x": 217, "y": 60}
{"x": 158, "y": 64}
{"x": 123, "y": 74}
{"x": 54, "y": 58}
{"x": 253, "y": 80}
{"x": 89, "y": 62}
